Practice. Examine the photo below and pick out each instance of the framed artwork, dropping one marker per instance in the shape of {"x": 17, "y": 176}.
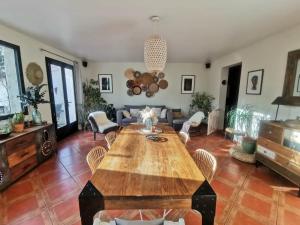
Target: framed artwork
{"x": 187, "y": 84}
{"x": 254, "y": 82}
{"x": 105, "y": 83}
{"x": 298, "y": 84}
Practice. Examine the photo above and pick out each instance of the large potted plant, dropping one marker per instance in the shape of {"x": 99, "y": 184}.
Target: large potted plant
{"x": 241, "y": 119}
{"x": 34, "y": 96}
{"x": 18, "y": 122}
{"x": 93, "y": 101}
{"x": 201, "y": 102}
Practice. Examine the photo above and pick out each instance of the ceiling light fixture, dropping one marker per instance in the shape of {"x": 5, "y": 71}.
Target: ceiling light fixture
{"x": 155, "y": 50}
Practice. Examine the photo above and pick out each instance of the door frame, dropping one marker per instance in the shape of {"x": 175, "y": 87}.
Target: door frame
{"x": 70, "y": 127}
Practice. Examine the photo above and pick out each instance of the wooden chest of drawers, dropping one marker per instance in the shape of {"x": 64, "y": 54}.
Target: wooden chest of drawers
{"x": 273, "y": 152}
{"x": 23, "y": 151}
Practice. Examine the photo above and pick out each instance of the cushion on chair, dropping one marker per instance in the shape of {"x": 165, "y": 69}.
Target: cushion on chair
{"x": 139, "y": 222}
{"x": 104, "y": 127}
{"x": 163, "y": 114}
{"x": 197, "y": 118}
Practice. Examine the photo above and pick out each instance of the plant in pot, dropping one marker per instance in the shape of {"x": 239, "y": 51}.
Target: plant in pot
{"x": 92, "y": 101}
{"x": 201, "y": 101}
{"x": 241, "y": 119}
{"x": 34, "y": 96}
{"x": 18, "y": 122}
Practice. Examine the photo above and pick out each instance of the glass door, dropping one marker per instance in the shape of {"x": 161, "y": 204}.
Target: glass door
{"x": 62, "y": 95}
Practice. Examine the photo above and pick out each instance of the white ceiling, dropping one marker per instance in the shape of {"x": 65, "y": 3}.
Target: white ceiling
{"x": 114, "y": 30}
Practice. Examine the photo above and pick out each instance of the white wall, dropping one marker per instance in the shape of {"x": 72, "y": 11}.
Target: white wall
{"x": 30, "y": 52}
{"x": 170, "y": 97}
{"x": 269, "y": 54}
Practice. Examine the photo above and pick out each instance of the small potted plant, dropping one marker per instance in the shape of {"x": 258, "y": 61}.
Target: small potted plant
{"x": 33, "y": 97}
{"x": 18, "y": 122}
{"x": 241, "y": 119}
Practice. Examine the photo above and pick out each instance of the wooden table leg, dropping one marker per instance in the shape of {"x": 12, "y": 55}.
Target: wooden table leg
{"x": 204, "y": 200}
{"x": 90, "y": 202}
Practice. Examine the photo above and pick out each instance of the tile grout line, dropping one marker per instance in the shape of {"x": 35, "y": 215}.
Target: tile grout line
{"x": 227, "y": 221}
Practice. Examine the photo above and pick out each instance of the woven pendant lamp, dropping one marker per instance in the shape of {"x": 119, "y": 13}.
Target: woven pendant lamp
{"x": 155, "y": 51}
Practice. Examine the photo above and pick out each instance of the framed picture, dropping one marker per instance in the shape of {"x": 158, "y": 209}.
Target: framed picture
{"x": 105, "y": 83}
{"x": 298, "y": 84}
{"x": 254, "y": 82}
{"x": 187, "y": 84}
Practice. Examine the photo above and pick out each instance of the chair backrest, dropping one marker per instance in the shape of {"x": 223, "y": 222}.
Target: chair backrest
{"x": 206, "y": 162}
{"x": 197, "y": 117}
{"x": 184, "y": 137}
{"x": 94, "y": 157}
{"x": 110, "y": 138}
{"x": 99, "y": 117}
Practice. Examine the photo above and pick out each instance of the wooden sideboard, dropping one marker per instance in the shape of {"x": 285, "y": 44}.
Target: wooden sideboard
{"x": 278, "y": 147}
{"x": 21, "y": 152}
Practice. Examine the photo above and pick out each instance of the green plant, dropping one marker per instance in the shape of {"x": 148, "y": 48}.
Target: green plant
{"x": 92, "y": 101}
{"x": 241, "y": 118}
{"x": 18, "y": 118}
{"x": 34, "y": 96}
{"x": 202, "y": 101}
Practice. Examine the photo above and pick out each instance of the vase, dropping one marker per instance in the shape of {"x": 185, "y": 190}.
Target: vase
{"x": 36, "y": 117}
{"x": 148, "y": 123}
{"x": 248, "y": 145}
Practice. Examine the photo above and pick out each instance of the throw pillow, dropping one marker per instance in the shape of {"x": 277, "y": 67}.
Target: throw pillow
{"x": 163, "y": 114}
{"x": 177, "y": 115}
{"x": 126, "y": 114}
{"x": 157, "y": 111}
{"x": 134, "y": 112}
{"x": 139, "y": 222}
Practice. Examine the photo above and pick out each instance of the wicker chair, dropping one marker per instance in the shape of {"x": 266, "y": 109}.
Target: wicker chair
{"x": 110, "y": 138}
{"x": 206, "y": 162}
{"x": 184, "y": 137}
{"x": 94, "y": 157}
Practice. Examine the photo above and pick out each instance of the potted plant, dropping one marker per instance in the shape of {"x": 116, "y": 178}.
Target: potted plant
{"x": 202, "y": 102}
{"x": 241, "y": 119}
{"x": 93, "y": 101}
{"x": 18, "y": 122}
{"x": 34, "y": 96}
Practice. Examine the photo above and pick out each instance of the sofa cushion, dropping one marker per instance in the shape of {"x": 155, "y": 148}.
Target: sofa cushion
{"x": 162, "y": 120}
{"x": 134, "y": 112}
{"x": 129, "y": 120}
{"x": 157, "y": 111}
{"x": 126, "y": 114}
{"x": 163, "y": 114}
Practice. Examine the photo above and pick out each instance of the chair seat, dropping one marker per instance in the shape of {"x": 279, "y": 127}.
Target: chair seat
{"x": 104, "y": 127}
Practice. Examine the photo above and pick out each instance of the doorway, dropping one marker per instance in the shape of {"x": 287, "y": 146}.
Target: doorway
{"x": 233, "y": 86}
{"x": 62, "y": 96}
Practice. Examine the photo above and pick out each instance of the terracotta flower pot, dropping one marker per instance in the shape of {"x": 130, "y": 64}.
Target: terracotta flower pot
{"x": 19, "y": 127}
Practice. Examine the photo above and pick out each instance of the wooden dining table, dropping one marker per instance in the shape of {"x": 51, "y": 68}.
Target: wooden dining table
{"x": 138, "y": 173}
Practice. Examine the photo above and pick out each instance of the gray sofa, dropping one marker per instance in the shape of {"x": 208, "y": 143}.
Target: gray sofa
{"x": 122, "y": 121}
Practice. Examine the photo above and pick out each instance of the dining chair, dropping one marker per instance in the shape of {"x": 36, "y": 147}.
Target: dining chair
{"x": 110, "y": 138}
{"x": 94, "y": 157}
{"x": 184, "y": 137}
{"x": 206, "y": 162}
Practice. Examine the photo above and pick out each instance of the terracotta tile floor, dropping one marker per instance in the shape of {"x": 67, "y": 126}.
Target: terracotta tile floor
{"x": 246, "y": 195}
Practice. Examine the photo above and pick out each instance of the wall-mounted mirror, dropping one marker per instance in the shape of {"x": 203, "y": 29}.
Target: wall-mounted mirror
{"x": 291, "y": 87}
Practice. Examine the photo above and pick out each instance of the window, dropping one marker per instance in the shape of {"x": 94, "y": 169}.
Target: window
{"x": 11, "y": 79}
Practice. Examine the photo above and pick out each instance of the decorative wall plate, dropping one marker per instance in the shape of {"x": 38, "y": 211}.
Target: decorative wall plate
{"x": 137, "y": 74}
{"x": 163, "y": 84}
{"x": 149, "y": 94}
{"x": 161, "y": 75}
{"x": 130, "y": 92}
{"x": 153, "y": 87}
{"x": 129, "y": 73}
{"x": 130, "y": 83}
{"x": 137, "y": 90}
{"x": 34, "y": 73}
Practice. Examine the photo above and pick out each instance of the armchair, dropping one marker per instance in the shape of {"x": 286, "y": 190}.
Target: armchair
{"x": 100, "y": 123}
